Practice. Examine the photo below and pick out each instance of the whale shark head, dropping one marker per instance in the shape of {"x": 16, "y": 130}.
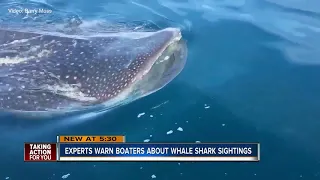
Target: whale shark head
{"x": 53, "y": 73}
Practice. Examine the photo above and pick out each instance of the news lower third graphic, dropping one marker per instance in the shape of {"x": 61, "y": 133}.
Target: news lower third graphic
{"x": 115, "y": 148}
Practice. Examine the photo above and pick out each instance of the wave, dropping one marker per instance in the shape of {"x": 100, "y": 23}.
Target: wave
{"x": 298, "y": 23}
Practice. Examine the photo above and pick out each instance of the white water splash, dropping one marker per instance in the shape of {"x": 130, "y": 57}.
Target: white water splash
{"x": 180, "y": 129}
{"x": 65, "y": 176}
{"x": 141, "y": 114}
{"x": 70, "y": 91}
{"x": 170, "y": 132}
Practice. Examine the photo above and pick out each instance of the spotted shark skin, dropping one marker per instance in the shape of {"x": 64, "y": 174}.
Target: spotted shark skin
{"x": 42, "y": 72}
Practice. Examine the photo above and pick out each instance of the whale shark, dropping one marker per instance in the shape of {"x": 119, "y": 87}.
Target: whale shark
{"x": 52, "y": 73}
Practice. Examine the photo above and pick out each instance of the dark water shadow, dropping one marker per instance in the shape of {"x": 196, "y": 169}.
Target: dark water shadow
{"x": 185, "y": 108}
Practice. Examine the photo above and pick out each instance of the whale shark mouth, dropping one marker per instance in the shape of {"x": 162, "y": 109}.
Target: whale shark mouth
{"x": 167, "y": 66}
{"x": 164, "y": 67}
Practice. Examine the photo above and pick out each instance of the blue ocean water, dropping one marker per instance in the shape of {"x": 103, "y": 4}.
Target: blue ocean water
{"x": 251, "y": 75}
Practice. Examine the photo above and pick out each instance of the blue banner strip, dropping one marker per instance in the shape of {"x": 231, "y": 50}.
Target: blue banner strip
{"x": 159, "y": 149}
